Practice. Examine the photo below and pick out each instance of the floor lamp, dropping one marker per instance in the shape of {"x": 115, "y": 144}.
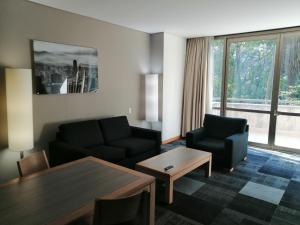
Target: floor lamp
{"x": 19, "y": 109}
{"x": 151, "y": 91}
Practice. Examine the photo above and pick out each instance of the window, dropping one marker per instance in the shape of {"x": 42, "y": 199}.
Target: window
{"x": 250, "y": 74}
{"x": 261, "y": 83}
{"x": 217, "y": 71}
{"x": 289, "y": 89}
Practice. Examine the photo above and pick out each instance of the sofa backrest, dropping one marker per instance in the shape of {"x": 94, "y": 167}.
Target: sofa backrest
{"x": 115, "y": 128}
{"x": 83, "y": 133}
{"x": 221, "y": 127}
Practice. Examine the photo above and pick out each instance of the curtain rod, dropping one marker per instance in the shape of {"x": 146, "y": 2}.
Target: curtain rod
{"x": 270, "y": 31}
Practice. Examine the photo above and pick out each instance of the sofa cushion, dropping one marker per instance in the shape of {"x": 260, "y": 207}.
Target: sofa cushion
{"x": 134, "y": 146}
{"x": 115, "y": 128}
{"x": 222, "y": 127}
{"x": 83, "y": 133}
{"x": 108, "y": 153}
{"x": 212, "y": 145}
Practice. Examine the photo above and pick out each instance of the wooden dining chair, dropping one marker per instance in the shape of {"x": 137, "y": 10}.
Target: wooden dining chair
{"x": 132, "y": 210}
{"x": 129, "y": 210}
{"x": 33, "y": 163}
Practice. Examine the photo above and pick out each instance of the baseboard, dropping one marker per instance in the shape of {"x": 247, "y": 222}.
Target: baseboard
{"x": 171, "y": 140}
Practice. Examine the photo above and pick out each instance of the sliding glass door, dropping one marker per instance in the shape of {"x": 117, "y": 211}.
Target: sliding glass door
{"x": 258, "y": 78}
{"x": 249, "y": 83}
{"x": 288, "y": 100}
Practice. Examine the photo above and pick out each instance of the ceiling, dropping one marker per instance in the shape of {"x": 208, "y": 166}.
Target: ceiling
{"x": 188, "y": 18}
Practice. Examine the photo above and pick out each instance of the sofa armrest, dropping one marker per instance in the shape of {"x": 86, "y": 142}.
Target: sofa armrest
{"x": 146, "y": 133}
{"x": 236, "y": 147}
{"x": 195, "y": 135}
{"x": 149, "y": 134}
{"x": 61, "y": 152}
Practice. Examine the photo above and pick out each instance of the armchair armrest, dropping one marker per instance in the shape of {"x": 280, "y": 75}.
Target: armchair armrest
{"x": 149, "y": 134}
{"x": 236, "y": 147}
{"x": 194, "y": 136}
{"x": 61, "y": 152}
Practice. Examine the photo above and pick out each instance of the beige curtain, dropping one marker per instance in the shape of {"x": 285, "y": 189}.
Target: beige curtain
{"x": 196, "y": 83}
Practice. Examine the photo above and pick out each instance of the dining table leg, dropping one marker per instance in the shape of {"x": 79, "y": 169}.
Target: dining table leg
{"x": 152, "y": 204}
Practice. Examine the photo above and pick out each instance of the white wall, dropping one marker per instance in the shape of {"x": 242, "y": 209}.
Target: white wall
{"x": 124, "y": 57}
{"x": 173, "y": 79}
{"x": 157, "y": 53}
{"x": 168, "y": 60}
{"x": 156, "y": 67}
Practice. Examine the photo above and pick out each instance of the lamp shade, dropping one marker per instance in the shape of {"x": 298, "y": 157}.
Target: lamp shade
{"x": 151, "y": 86}
{"x": 19, "y": 109}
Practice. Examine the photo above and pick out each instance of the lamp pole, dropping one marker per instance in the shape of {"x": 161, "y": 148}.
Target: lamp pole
{"x": 21, "y": 154}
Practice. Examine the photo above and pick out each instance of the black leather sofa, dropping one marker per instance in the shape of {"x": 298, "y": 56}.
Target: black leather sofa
{"x": 110, "y": 139}
{"x": 226, "y": 138}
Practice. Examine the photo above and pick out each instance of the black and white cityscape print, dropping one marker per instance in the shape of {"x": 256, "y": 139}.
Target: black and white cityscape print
{"x": 63, "y": 69}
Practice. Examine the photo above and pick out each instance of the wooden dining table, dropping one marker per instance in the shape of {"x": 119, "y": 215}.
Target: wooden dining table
{"x": 67, "y": 192}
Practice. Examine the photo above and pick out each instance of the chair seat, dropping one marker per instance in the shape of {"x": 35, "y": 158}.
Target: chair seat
{"x": 212, "y": 145}
{"x": 134, "y": 146}
{"x": 111, "y": 154}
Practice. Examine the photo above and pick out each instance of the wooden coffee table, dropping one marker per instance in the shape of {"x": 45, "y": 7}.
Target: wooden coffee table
{"x": 184, "y": 161}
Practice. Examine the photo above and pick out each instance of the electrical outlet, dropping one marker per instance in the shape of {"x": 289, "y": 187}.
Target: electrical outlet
{"x": 129, "y": 110}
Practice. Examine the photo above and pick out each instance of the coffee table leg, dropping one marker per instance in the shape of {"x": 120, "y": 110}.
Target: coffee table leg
{"x": 169, "y": 191}
{"x": 208, "y": 168}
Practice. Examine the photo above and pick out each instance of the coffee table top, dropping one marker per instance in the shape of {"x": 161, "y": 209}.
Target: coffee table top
{"x": 180, "y": 157}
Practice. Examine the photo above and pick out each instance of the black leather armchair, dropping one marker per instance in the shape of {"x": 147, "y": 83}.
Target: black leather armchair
{"x": 226, "y": 138}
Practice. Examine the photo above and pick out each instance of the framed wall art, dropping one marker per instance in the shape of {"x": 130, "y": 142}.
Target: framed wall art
{"x": 64, "y": 69}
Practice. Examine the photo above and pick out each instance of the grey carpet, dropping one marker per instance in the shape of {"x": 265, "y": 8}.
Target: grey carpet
{"x": 265, "y": 189}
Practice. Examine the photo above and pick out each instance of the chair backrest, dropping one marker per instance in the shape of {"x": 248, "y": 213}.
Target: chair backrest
{"x": 222, "y": 127}
{"x": 33, "y": 163}
{"x": 115, "y": 128}
{"x": 82, "y": 133}
{"x": 118, "y": 211}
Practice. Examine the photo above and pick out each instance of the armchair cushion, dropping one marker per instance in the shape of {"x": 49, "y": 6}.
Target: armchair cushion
{"x": 135, "y": 146}
{"x": 213, "y": 145}
{"x": 115, "y": 128}
{"x": 82, "y": 134}
{"x": 222, "y": 127}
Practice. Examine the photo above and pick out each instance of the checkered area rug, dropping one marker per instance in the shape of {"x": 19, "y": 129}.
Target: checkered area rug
{"x": 264, "y": 189}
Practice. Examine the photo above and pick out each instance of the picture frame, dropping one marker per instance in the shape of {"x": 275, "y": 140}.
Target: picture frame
{"x": 64, "y": 69}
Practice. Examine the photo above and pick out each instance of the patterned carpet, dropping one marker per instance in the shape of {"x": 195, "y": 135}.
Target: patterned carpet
{"x": 265, "y": 189}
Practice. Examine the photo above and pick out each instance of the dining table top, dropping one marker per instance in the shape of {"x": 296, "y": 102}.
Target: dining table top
{"x": 63, "y": 193}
